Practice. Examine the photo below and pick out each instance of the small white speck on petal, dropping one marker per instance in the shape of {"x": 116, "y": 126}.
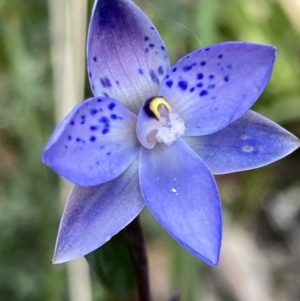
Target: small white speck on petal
{"x": 248, "y": 149}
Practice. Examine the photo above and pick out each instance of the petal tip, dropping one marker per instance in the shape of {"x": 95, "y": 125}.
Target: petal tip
{"x": 213, "y": 262}
{"x": 272, "y": 48}
{"x": 55, "y": 260}
{"x": 274, "y": 51}
{"x": 270, "y": 51}
{"x": 211, "y": 259}
{"x": 62, "y": 258}
{"x": 44, "y": 157}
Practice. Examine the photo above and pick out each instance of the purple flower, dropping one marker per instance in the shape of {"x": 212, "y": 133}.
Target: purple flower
{"x": 154, "y": 134}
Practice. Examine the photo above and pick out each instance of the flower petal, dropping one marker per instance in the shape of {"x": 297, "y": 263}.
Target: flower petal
{"x": 94, "y": 144}
{"x": 127, "y": 58}
{"x": 183, "y": 196}
{"x": 215, "y": 86}
{"x": 94, "y": 214}
{"x": 250, "y": 142}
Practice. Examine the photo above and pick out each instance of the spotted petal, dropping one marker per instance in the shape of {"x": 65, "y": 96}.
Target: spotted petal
{"x": 94, "y": 144}
{"x": 94, "y": 214}
{"x": 182, "y": 195}
{"x": 250, "y": 142}
{"x": 127, "y": 58}
{"x": 214, "y": 86}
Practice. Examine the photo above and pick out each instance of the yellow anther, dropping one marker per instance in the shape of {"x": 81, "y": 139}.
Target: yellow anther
{"x": 155, "y": 104}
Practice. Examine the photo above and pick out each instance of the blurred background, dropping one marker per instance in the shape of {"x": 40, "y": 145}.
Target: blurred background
{"x": 42, "y": 75}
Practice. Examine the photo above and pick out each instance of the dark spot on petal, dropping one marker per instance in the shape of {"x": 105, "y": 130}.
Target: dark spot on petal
{"x": 95, "y": 59}
{"x": 146, "y": 38}
{"x": 106, "y": 124}
{"x": 94, "y": 128}
{"x": 105, "y": 131}
{"x": 229, "y": 66}
{"x": 182, "y": 85}
{"x": 113, "y": 116}
{"x": 174, "y": 69}
{"x": 108, "y": 154}
{"x": 226, "y": 78}
{"x": 90, "y": 74}
{"x": 78, "y": 139}
{"x": 203, "y": 63}
{"x": 99, "y": 99}
{"x": 211, "y": 76}
{"x": 69, "y": 137}
{"x": 200, "y": 76}
{"x": 141, "y": 71}
{"x": 82, "y": 119}
{"x": 203, "y": 93}
{"x": 154, "y": 77}
{"x": 72, "y": 122}
{"x": 146, "y": 50}
{"x": 151, "y": 45}
{"x": 163, "y": 48}
{"x": 93, "y": 111}
{"x": 200, "y": 85}
{"x": 220, "y": 56}
{"x": 111, "y": 106}
{"x": 211, "y": 86}
{"x": 92, "y": 138}
{"x": 207, "y": 49}
{"x": 169, "y": 83}
{"x": 160, "y": 70}
{"x": 105, "y": 82}
{"x": 187, "y": 68}
{"x": 105, "y": 94}
{"x": 192, "y": 89}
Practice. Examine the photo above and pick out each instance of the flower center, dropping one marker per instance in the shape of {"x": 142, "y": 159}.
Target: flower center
{"x": 157, "y": 122}
{"x": 154, "y": 107}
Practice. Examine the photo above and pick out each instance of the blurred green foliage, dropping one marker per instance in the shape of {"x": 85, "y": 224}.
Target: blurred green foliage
{"x": 29, "y": 198}
{"x": 112, "y": 265}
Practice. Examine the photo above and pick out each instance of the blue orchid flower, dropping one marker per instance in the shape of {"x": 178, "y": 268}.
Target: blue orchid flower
{"x": 155, "y": 134}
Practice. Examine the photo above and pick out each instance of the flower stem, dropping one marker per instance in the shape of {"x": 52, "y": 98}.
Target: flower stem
{"x": 139, "y": 256}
